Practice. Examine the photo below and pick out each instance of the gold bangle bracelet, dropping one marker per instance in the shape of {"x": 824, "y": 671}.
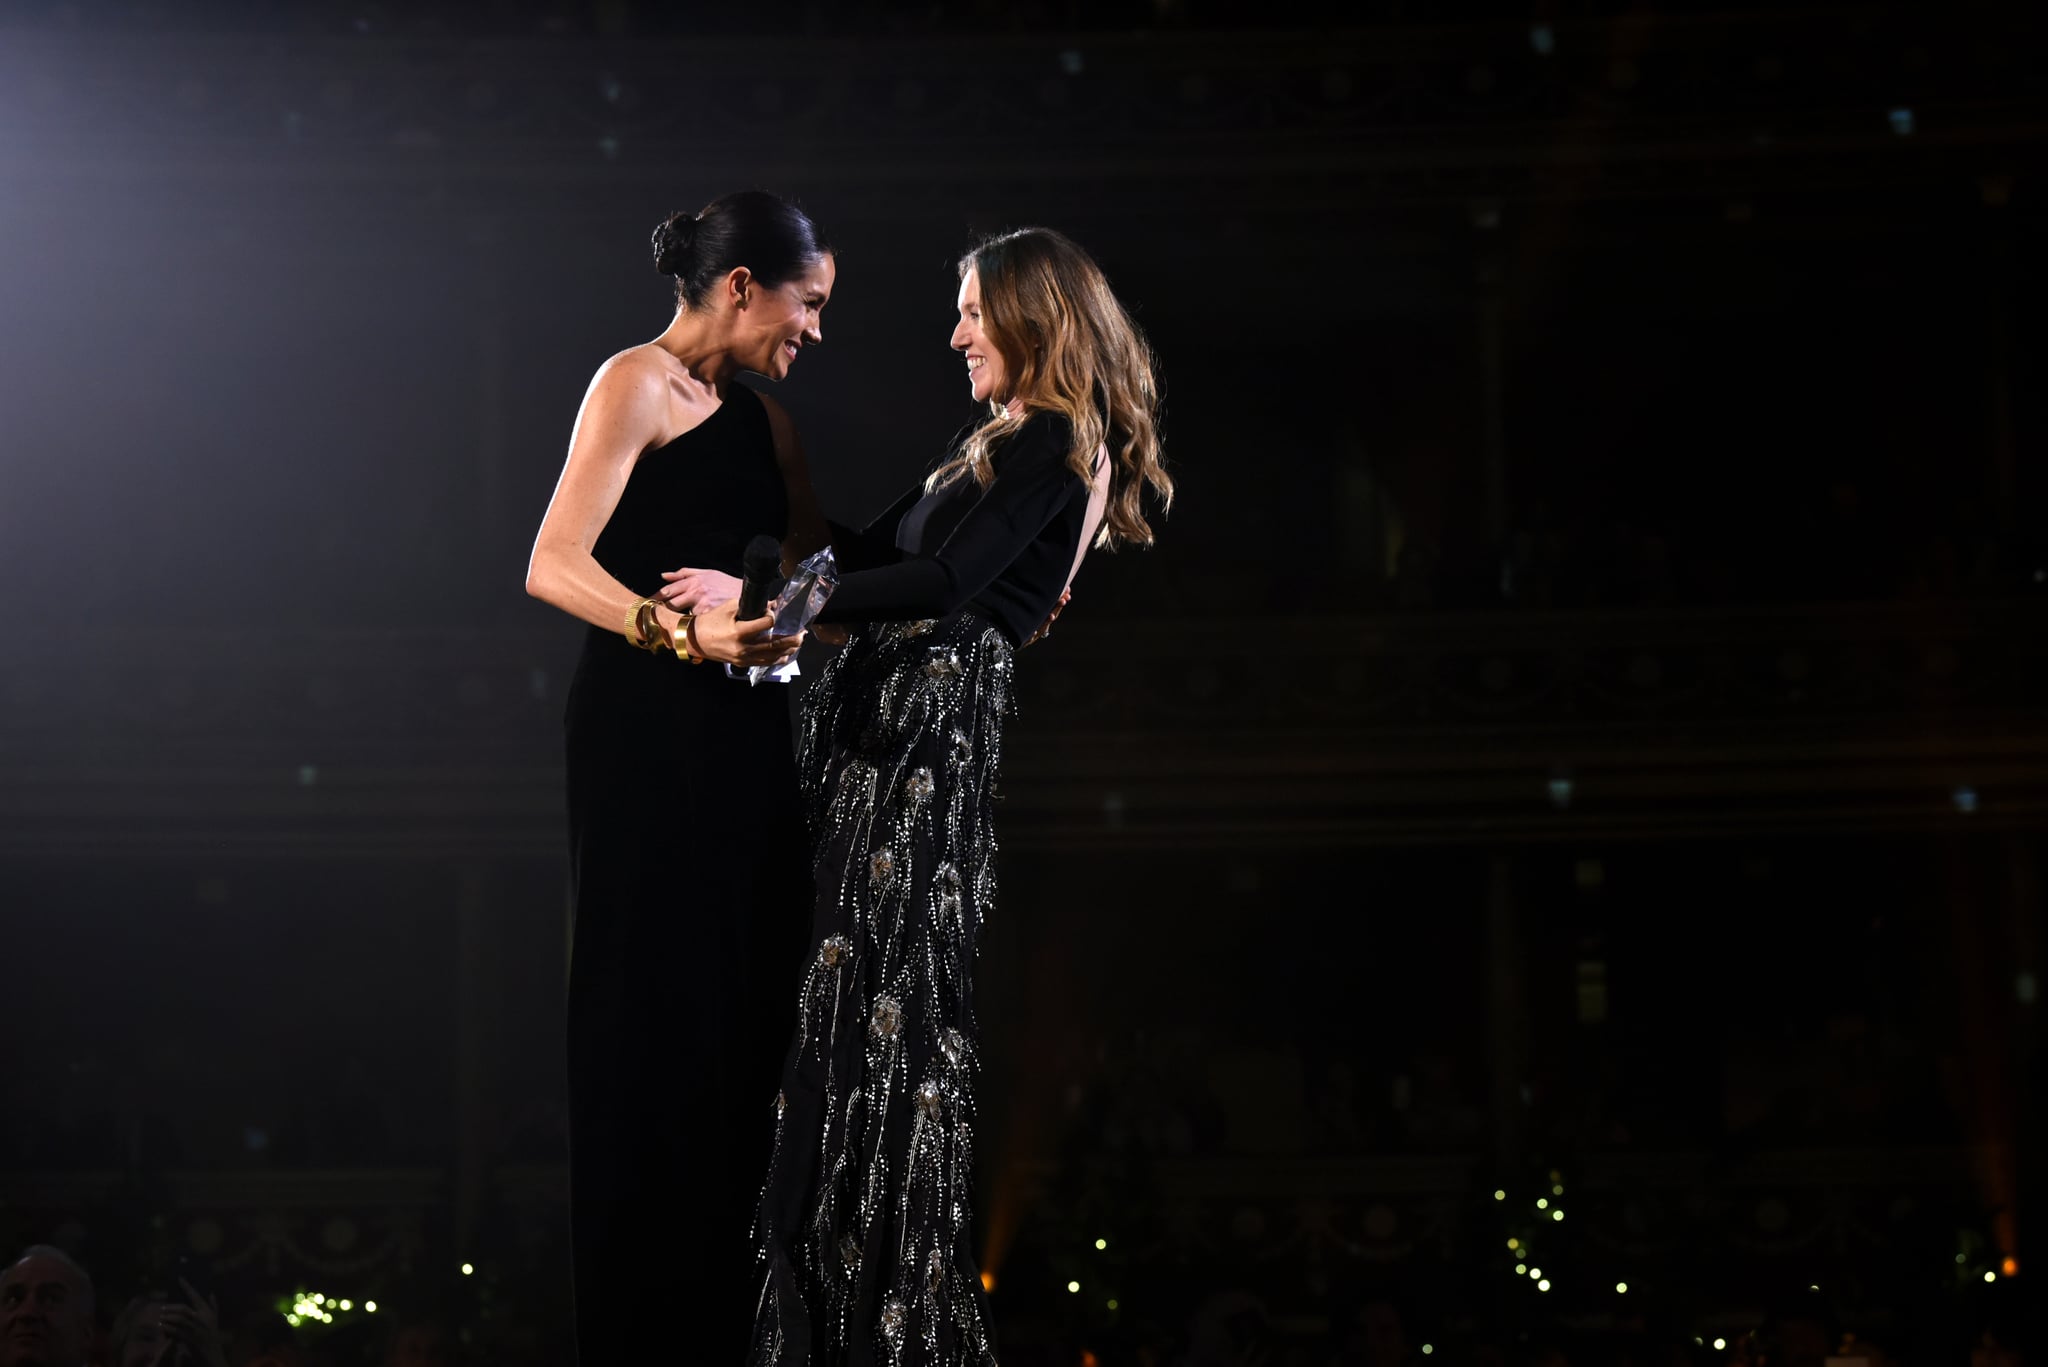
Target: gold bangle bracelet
{"x": 632, "y": 632}
{"x": 647, "y": 627}
{"x": 679, "y": 639}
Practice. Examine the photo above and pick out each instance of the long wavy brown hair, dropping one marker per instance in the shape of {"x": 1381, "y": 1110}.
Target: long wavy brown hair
{"x": 1069, "y": 348}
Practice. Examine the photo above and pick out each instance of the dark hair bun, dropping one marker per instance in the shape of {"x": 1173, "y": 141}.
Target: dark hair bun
{"x": 672, "y": 243}
{"x": 770, "y": 237}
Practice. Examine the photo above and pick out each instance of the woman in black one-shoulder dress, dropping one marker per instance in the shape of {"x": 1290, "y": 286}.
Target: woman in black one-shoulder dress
{"x": 680, "y": 781}
{"x": 863, "y": 1247}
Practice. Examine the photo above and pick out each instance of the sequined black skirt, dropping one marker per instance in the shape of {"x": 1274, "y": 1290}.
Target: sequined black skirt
{"x": 863, "y": 1249}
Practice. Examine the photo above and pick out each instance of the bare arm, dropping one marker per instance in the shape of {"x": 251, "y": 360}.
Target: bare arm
{"x": 624, "y": 413}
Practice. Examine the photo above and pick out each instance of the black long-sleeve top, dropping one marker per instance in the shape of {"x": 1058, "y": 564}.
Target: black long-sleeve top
{"x": 1005, "y": 550}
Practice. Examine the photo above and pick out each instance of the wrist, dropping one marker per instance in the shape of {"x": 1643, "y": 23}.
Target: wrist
{"x": 642, "y": 627}
{"x": 677, "y": 634}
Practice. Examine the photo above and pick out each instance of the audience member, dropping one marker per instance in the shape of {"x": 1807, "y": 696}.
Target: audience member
{"x": 45, "y": 1310}
{"x": 157, "y": 1329}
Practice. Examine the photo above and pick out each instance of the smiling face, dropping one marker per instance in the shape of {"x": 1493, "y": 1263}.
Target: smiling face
{"x": 987, "y": 378}
{"x": 777, "y": 321}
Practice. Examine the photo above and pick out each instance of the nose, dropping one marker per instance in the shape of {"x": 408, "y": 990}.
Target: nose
{"x": 814, "y": 334}
{"x": 960, "y": 338}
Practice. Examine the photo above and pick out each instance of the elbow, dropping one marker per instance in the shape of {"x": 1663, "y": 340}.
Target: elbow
{"x": 540, "y": 582}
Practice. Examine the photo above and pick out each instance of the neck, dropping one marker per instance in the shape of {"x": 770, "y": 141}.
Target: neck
{"x": 697, "y": 340}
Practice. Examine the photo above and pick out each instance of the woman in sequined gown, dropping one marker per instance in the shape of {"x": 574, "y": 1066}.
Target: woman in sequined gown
{"x": 863, "y": 1252}
{"x": 680, "y": 783}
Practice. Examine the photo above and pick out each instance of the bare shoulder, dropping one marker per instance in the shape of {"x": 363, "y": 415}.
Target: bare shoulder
{"x": 638, "y": 370}
{"x": 652, "y": 392}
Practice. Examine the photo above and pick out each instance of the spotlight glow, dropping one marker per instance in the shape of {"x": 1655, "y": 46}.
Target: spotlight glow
{"x": 1101, "y": 1244}
{"x": 1621, "y": 1288}
{"x": 1073, "y": 1286}
{"x": 1543, "y": 1286}
{"x": 468, "y": 1269}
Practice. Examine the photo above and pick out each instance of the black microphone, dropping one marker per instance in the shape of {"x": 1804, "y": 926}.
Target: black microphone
{"x": 763, "y": 566}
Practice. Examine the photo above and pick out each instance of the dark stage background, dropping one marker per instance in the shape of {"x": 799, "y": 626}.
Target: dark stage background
{"x": 1582, "y": 737}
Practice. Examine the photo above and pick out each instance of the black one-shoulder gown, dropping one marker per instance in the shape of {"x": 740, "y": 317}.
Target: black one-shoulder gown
{"x": 689, "y": 888}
